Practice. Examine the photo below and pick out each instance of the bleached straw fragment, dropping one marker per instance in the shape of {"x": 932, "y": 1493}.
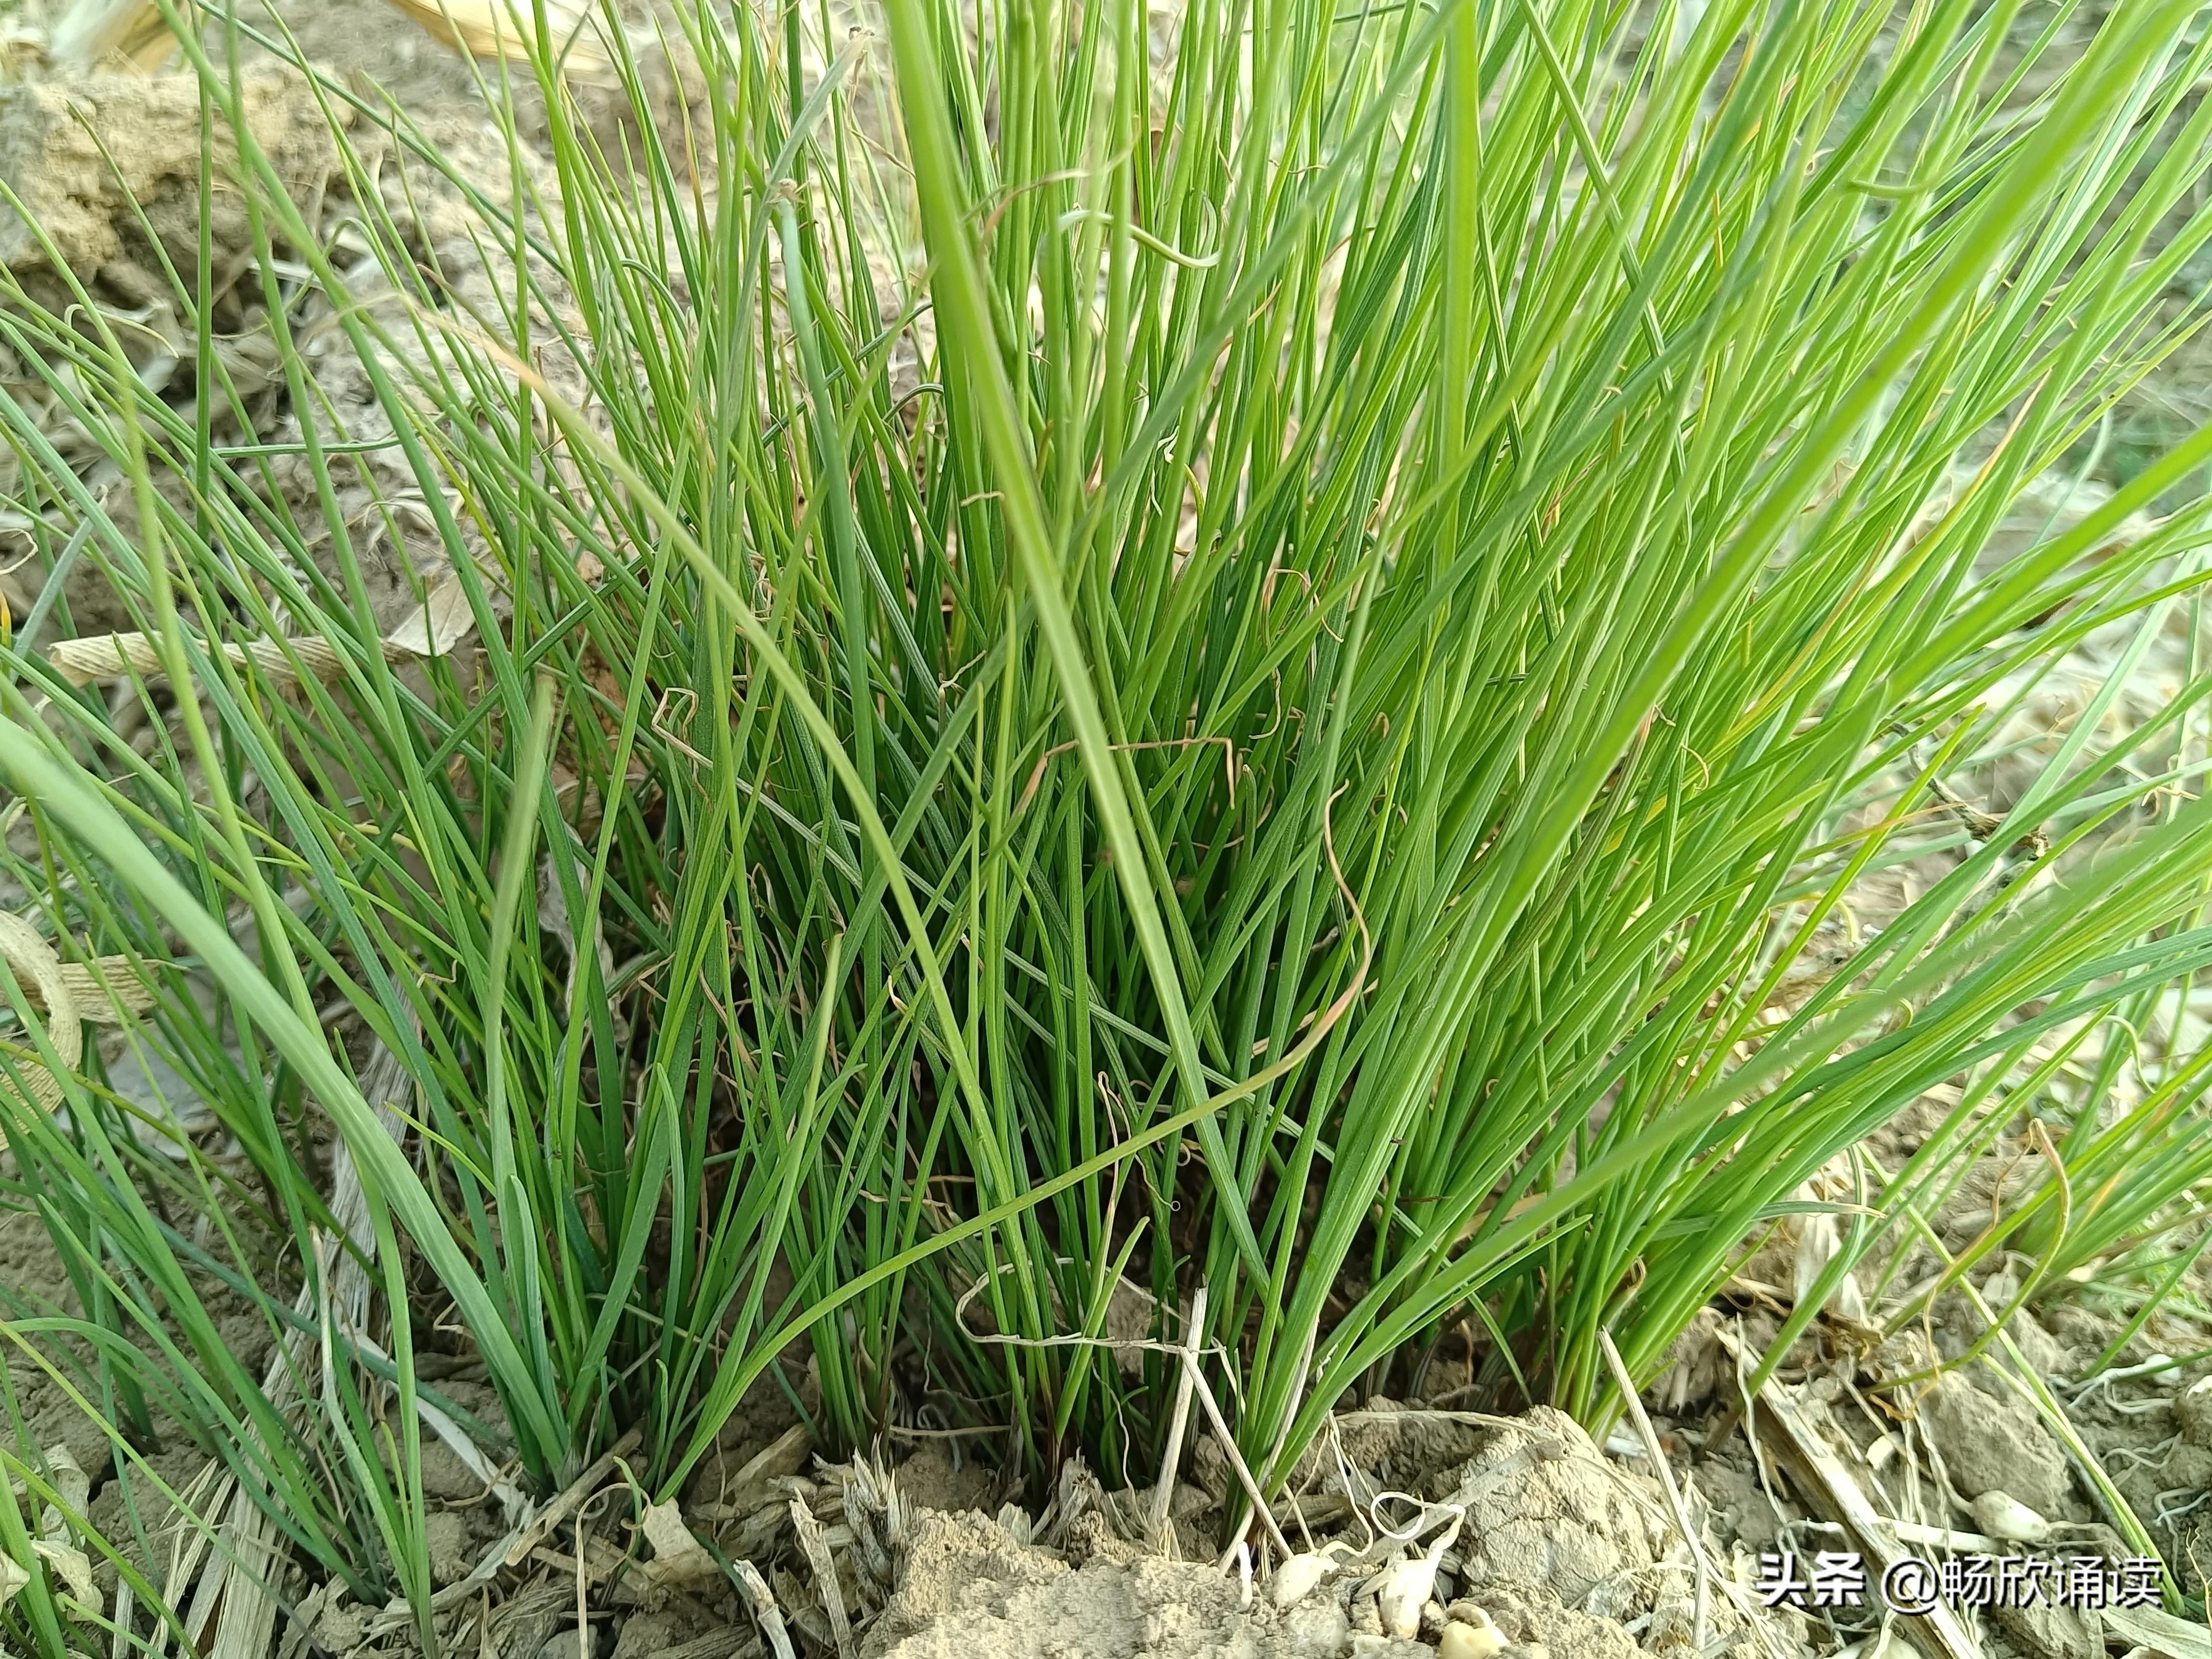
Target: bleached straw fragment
{"x": 106, "y": 656}
{"x": 507, "y": 28}
{"x": 70, "y": 994}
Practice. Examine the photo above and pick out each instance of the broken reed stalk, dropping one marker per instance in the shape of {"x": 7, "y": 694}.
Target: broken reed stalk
{"x": 1171, "y": 1454}
{"x": 1701, "y": 1569}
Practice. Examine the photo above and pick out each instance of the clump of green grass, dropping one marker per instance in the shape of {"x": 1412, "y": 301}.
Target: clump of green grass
{"x": 1246, "y": 671}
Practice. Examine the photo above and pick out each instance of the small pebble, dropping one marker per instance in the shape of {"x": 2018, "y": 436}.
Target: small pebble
{"x": 2002, "y": 1515}
{"x": 1295, "y": 1579}
{"x": 1405, "y": 1591}
{"x": 1470, "y": 1641}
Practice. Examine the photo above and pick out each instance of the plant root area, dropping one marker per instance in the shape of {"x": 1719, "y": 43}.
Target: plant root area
{"x": 1546, "y": 1544}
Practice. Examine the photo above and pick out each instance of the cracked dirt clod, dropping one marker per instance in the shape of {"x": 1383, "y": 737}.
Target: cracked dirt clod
{"x": 1994, "y": 1442}
{"x": 2053, "y": 1632}
{"x": 79, "y": 153}
{"x": 971, "y": 1591}
{"x": 1567, "y": 1543}
{"x": 1563, "y": 1524}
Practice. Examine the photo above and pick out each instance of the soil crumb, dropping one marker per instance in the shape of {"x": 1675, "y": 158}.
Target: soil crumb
{"x": 1992, "y": 1441}
{"x": 972, "y": 1590}
{"x": 97, "y": 162}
